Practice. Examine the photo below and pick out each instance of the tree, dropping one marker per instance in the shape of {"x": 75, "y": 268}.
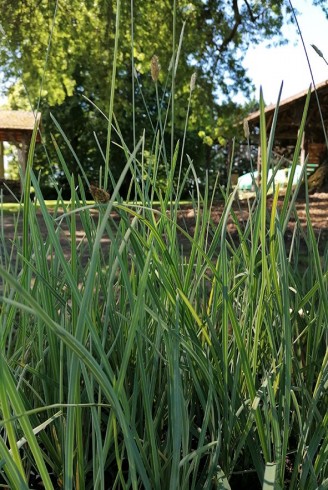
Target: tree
{"x": 56, "y": 52}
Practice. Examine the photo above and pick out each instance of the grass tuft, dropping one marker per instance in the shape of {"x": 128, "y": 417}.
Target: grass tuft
{"x": 140, "y": 351}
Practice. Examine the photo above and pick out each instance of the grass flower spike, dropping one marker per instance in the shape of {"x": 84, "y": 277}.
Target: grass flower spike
{"x": 155, "y": 68}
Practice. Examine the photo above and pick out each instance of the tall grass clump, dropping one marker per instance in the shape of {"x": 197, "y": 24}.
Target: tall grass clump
{"x": 151, "y": 354}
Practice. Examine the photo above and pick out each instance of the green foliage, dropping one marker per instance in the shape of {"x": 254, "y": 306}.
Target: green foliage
{"x": 58, "y": 52}
{"x": 150, "y": 353}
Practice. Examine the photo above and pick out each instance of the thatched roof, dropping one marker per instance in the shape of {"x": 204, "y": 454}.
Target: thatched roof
{"x": 17, "y": 126}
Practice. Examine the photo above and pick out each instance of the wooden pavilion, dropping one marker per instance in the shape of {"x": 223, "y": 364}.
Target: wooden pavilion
{"x": 16, "y": 127}
{"x": 288, "y": 123}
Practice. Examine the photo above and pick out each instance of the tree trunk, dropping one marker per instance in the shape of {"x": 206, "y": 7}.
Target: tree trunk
{"x": 318, "y": 181}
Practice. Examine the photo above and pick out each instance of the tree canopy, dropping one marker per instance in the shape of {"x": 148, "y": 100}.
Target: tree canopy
{"x": 58, "y": 51}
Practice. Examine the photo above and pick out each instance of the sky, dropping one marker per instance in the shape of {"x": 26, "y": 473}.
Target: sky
{"x": 268, "y": 67}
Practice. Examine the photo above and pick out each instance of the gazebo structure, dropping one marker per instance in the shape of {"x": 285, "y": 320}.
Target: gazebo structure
{"x": 16, "y": 127}
{"x": 288, "y": 123}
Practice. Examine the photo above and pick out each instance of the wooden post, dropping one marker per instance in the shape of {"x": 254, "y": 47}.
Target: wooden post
{"x": 2, "y": 162}
{"x": 22, "y": 159}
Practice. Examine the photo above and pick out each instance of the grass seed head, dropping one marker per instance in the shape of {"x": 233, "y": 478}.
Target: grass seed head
{"x": 317, "y": 50}
{"x": 246, "y": 129}
{"x": 193, "y": 82}
{"x": 155, "y": 68}
{"x": 99, "y": 195}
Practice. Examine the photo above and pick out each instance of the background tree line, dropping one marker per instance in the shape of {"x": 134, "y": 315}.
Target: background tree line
{"x": 78, "y": 62}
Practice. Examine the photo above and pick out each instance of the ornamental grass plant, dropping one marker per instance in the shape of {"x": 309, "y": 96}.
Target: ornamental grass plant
{"x": 153, "y": 355}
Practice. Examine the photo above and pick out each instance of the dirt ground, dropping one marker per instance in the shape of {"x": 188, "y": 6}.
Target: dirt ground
{"x": 318, "y": 213}
{"x": 318, "y": 204}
